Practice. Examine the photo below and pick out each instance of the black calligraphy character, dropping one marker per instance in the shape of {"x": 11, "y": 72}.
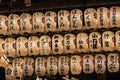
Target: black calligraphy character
{"x": 94, "y": 43}
{"x": 36, "y": 27}
{"x": 61, "y": 13}
{"x": 74, "y": 24}
{"x": 87, "y": 64}
{"x": 24, "y": 24}
{"x": 88, "y": 23}
{"x": 106, "y": 44}
{"x": 99, "y": 66}
{"x": 48, "y": 25}
{"x": 101, "y": 16}
{"x": 114, "y": 16}
{"x": 62, "y": 69}
{"x": 87, "y": 67}
{"x": 112, "y": 65}
{"x": 61, "y": 22}
{"x": 56, "y": 48}
{"x": 81, "y": 47}
{"x": 12, "y": 27}
{"x": 8, "y": 71}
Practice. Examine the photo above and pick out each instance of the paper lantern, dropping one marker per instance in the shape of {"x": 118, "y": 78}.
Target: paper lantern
{"x": 2, "y": 46}
{"x": 10, "y": 47}
{"x": 95, "y": 42}
{"x": 75, "y": 65}
{"x": 40, "y": 66}
{"x": 90, "y": 16}
{"x": 117, "y": 40}
{"x": 63, "y": 65}
{"x": 50, "y": 21}
{"x": 26, "y": 23}
{"x": 76, "y": 19}
{"x": 22, "y": 46}
{"x": 28, "y": 67}
{"x": 113, "y": 62}
{"x": 108, "y": 41}
{"x": 3, "y": 61}
{"x": 14, "y": 24}
{"x": 33, "y": 45}
{"x": 18, "y": 67}
{"x": 3, "y": 24}
{"x": 63, "y": 20}
{"x": 52, "y": 65}
{"x": 57, "y": 44}
{"x": 100, "y": 63}
{"x": 45, "y": 45}
{"x": 103, "y": 17}
{"x": 88, "y": 64}
{"x": 69, "y": 43}
{"x": 114, "y": 16}
{"x": 38, "y": 22}
{"x": 9, "y": 72}
{"x": 82, "y": 42}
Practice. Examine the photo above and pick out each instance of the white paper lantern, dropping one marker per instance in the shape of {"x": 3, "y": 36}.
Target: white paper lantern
{"x": 45, "y": 45}
{"x": 26, "y": 23}
{"x": 103, "y": 15}
{"x": 28, "y": 67}
{"x": 76, "y": 17}
{"x": 88, "y": 64}
{"x": 100, "y": 63}
{"x": 2, "y": 46}
{"x": 82, "y": 42}
{"x": 14, "y": 24}
{"x": 90, "y": 16}
{"x": 10, "y": 47}
{"x": 3, "y": 61}
{"x": 63, "y": 20}
{"x": 57, "y": 44}
{"x": 95, "y": 42}
{"x": 75, "y": 65}
{"x": 108, "y": 41}
{"x": 52, "y": 65}
{"x": 22, "y": 46}
{"x": 40, "y": 66}
{"x": 9, "y": 72}
{"x": 38, "y": 22}
{"x": 113, "y": 62}
{"x": 18, "y": 67}
{"x": 50, "y": 21}
{"x": 33, "y": 45}
{"x": 69, "y": 43}
{"x": 3, "y": 25}
{"x": 117, "y": 40}
{"x": 114, "y": 16}
{"x": 63, "y": 65}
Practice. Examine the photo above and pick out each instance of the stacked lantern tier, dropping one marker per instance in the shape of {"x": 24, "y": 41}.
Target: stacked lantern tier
{"x": 64, "y": 65}
{"x": 63, "y": 20}
{"x": 59, "y": 44}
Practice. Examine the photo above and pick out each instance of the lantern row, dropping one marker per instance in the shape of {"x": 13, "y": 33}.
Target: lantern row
{"x": 64, "y": 65}
{"x": 58, "y": 44}
{"x": 61, "y": 21}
